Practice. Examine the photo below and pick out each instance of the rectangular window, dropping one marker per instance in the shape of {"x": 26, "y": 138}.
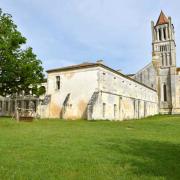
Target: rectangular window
{"x": 104, "y": 110}
{"x": 165, "y": 92}
{"x": 160, "y": 37}
{"x": 115, "y": 110}
{"x": 57, "y": 82}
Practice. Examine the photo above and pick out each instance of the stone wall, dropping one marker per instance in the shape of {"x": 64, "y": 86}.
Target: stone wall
{"x": 121, "y": 98}
{"x": 147, "y": 76}
{"x": 76, "y": 89}
{"x": 98, "y": 93}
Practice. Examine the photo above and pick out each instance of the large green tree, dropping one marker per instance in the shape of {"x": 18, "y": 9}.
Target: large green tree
{"x": 20, "y": 70}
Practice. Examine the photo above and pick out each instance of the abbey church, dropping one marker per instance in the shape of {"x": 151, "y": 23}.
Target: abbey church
{"x": 162, "y": 74}
{"x": 96, "y": 91}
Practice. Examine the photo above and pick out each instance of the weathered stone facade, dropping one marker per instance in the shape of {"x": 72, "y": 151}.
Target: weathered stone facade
{"x": 95, "y": 91}
{"x": 162, "y": 73}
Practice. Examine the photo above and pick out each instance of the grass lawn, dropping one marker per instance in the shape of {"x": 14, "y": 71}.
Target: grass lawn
{"x": 57, "y": 149}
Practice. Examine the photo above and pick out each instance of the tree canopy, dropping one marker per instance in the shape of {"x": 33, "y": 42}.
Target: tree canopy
{"x": 20, "y": 70}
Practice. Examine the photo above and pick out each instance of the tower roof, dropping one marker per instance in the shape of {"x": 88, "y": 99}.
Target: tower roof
{"x": 162, "y": 19}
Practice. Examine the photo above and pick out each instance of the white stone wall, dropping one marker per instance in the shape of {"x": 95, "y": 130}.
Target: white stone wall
{"x": 79, "y": 84}
{"x": 176, "y": 107}
{"x": 123, "y": 98}
{"x": 98, "y": 93}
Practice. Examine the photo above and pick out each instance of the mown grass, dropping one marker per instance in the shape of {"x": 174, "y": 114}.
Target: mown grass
{"x": 57, "y": 149}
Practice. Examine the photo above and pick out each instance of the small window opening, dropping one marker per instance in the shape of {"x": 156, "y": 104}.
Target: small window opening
{"x": 57, "y": 82}
{"x": 165, "y": 92}
{"x": 160, "y": 38}
{"x": 115, "y": 110}
{"x": 104, "y": 110}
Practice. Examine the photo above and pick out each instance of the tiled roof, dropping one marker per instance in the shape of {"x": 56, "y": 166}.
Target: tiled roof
{"x": 162, "y": 19}
{"x": 77, "y": 66}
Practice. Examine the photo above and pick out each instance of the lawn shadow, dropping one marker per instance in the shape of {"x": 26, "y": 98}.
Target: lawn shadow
{"x": 150, "y": 158}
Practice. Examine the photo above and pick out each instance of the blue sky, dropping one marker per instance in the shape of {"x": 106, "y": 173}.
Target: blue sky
{"x": 65, "y": 32}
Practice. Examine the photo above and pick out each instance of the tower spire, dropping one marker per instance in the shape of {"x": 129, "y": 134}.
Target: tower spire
{"x": 162, "y": 19}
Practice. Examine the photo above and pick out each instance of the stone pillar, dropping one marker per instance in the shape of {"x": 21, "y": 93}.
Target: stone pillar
{"x": 157, "y": 32}
{"x": 153, "y": 33}
{"x": 168, "y": 59}
{"x": 167, "y": 37}
{"x": 173, "y": 87}
{"x": 3, "y": 107}
{"x": 165, "y": 57}
{"x": 170, "y": 28}
{"x": 162, "y": 34}
{"x": 22, "y": 104}
{"x": 15, "y": 101}
{"x": 9, "y": 106}
{"x": 162, "y": 60}
{"x": 120, "y": 115}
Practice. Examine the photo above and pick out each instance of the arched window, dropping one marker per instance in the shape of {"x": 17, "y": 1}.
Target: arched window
{"x": 165, "y": 92}
{"x": 160, "y": 37}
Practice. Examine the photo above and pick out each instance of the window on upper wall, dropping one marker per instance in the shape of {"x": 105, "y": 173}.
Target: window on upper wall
{"x": 57, "y": 82}
{"x": 160, "y": 37}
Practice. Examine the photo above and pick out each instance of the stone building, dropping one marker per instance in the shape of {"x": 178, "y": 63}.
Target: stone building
{"x": 96, "y": 91}
{"x": 162, "y": 74}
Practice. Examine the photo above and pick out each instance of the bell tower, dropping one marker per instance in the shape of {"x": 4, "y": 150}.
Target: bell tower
{"x": 164, "y": 56}
{"x": 163, "y": 41}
